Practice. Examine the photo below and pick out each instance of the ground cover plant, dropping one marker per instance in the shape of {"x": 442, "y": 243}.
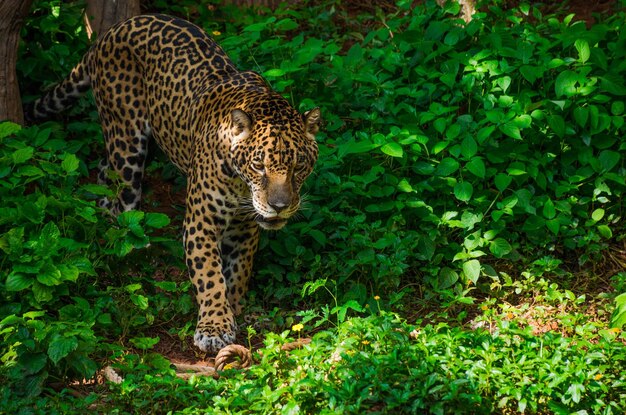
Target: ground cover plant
{"x": 460, "y": 251}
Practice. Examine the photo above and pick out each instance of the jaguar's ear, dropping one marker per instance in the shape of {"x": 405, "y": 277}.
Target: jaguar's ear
{"x": 242, "y": 125}
{"x": 312, "y": 121}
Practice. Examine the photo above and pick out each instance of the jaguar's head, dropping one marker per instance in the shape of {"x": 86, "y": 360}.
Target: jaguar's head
{"x": 273, "y": 149}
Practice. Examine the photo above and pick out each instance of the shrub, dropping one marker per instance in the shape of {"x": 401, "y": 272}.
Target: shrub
{"x": 447, "y": 146}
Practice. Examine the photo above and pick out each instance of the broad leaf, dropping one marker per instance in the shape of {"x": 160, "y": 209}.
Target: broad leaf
{"x": 60, "y": 347}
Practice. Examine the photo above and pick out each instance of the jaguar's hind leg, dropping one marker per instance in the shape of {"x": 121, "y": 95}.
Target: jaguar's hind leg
{"x": 126, "y": 151}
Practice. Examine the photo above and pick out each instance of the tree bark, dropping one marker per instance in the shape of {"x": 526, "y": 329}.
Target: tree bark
{"x": 102, "y": 14}
{"x": 12, "y": 13}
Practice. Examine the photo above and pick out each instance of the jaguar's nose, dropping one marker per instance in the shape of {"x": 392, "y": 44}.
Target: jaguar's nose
{"x": 278, "y": 205}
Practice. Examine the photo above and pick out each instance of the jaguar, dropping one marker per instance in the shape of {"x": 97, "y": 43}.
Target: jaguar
{"x": 244, "y": 149}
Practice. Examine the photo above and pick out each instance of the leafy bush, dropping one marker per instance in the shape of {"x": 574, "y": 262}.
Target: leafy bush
{"x": 381, "y": 364}
{"x": 447, "y": 146}
{"x": 54, "y": 242}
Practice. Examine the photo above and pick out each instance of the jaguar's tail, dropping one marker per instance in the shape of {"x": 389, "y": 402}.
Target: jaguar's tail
{"x": 62, "y": 95}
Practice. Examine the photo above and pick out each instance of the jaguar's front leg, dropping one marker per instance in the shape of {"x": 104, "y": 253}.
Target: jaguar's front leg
{"x": 203, "y": 234}
{"x": 239, "y": 244}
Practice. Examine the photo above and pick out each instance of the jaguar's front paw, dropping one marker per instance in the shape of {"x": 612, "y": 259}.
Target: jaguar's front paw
{"x": 211, "y": 340}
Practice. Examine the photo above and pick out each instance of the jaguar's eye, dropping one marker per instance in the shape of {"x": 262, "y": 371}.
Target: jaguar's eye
{"x": 258, "y": 166}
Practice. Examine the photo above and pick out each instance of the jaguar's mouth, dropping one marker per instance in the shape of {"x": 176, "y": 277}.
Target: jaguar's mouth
{"x": 272, "y": 223}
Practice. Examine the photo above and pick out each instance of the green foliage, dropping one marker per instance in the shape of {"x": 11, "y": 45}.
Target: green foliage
{"x": 52, "y": 253}
{"x": 49, "y": 52}
{"x": 381, "y": 364}
{"x": 618, "y": 319}
{"x": 447, "y": 146}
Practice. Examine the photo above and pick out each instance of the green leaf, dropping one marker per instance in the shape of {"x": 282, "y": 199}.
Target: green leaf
{"x": 584, "y": 52}
{"x": 22, "y": 155}
{"x": 145, "y": 343}
{"x": 553, "y": 225}
{"x": 156, "y": 220}
{"x": 274, "y": 73}
{"x": 504, "y": 83}
{"x": 18, "y": 282}
{"x": 500, "y": 247}
{"x": 48, "y": 240}
{"x": 469, "y": 147}
{"x": 392, "y": 149}
{"x": 605, "y": 231}
{"x": 33, "y": 362}
{"x": 68, "y": 272}
{"x": 140, "y": 301}
{"x": 613, "y": 84}
{"x": 440, "y": 125}
{"x": 447, "y": 278}
{"x": 12, "y": 242}
{"x": 581, "y": 114}
{"x": 42, "y": 293}
{"x": 557, "y": 124}
{"x": 343, "y": 309}
{"x": 70, "y": 163}
{"x": 60, "y": 347}
{"x": 166, "y": 286}
{"x": 286, "y": 24}
{"x": 512, "y": 130}
{"x": 292, "y": 407}
{"x": 502, "y": 181}
{"x": 8, "y": 128}
{"x": 105, "y": 319}
{"x": 129, "y": 218}
{"x": 405, "y": 186}
{"x": 83, "y": 265}
{"x": 618, "y": 318}
{"x": 471, "y": 269}
{"x": 575, "y": 391}
{"x": 258, "y": 27}
{"x": 484, "y": 133}
{"x": 463, "y": 191}
{"x": 131, "y": 288}
{"x": 608, "y": 159}
{"x": 476, "y": 166}
{"x": 549, "y": 211}
{"x": 49, "y": 275}
{"x": 30, "y": 171}
{"x": 523, "y": 121}
{"x": 514, "y": 171}
{"x": 97, "y": 189}
{"x": 355, "y": 147}
{"x": 318, "y": 235}
{"x": 597, "y": 214}
{"x": 530, "y": 73}
{"x": 565, "y": 83}
{"x": 446, "y": 167}
{"x": 11, "y": 320}
{"x": 32, "y": 211}
{"x": 453, "y": 131}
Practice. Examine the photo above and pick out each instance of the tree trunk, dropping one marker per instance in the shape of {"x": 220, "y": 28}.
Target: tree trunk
{"x": 12, "y": 13}
{"x": 102, "y": 14}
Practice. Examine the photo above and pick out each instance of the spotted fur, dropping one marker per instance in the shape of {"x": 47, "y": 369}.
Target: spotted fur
{"x": 244, "y": 149}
